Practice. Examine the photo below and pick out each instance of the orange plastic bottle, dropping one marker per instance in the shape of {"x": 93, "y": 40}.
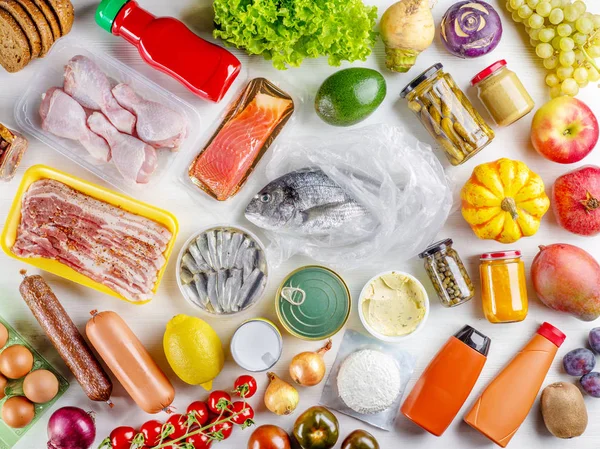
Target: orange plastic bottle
{"x": 447, "y": 381}
{"x": 506, "y": 401}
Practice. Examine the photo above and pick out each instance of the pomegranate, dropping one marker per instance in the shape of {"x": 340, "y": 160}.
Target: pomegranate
{"x": 567, "y": 278}
{"x": 576, "y": 200}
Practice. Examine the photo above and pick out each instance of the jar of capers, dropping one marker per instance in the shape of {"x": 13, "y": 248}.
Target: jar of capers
{"x": 447, "y": 273}
{"x": 447, "y": 114}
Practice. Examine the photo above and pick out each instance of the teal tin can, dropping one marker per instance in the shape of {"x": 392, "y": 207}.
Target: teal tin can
{"x": 313, "y": 303}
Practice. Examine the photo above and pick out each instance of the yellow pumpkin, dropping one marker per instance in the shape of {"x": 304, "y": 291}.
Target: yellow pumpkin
{"x": 504, "y": 201}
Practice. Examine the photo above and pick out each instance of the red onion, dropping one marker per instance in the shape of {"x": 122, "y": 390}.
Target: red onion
{"x": 471, "y": 28}
{"x": 71, "y": 428}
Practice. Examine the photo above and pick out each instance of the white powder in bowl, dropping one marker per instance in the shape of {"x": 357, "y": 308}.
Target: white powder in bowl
{"x": 369, "y": 381}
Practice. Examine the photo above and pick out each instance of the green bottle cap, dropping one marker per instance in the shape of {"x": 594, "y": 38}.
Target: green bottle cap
{"x": 107, "y": 12}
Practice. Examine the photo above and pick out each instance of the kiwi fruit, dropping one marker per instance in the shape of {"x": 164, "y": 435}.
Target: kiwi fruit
{"x": 564, "y": 410}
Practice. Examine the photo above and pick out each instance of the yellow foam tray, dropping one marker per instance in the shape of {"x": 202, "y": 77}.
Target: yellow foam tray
{"x": 37, "y": 172}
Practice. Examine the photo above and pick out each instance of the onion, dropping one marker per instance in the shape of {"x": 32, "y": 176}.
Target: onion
{"x": 471, "y": 29}
{"x": 71, "y": 428}
{"x": 280, "y": 397}
{"x": 308, "y": 368}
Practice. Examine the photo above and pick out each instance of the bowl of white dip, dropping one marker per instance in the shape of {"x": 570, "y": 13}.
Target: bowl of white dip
{"x": 393, "y": 306}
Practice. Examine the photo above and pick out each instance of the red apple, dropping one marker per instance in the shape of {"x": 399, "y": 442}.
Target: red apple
{"x": 564, "y": 130}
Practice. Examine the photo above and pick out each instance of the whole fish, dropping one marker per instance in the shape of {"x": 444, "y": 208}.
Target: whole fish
{"x": 305, "y": 202}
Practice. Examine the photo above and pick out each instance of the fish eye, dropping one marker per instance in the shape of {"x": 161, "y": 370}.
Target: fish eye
{"x": 265, "y": 198}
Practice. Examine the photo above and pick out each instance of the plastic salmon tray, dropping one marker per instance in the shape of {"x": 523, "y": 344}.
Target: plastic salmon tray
{"x": 52, "y": 75}
{"x": 8, "y": 435}
{"x": 37, "y": 172}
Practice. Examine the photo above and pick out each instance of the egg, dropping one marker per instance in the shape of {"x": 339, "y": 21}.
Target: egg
{"x": 3, "y": 335}
{"x": 40, "y": 386}
{"x": 17, "y": 412}
{"x": 16, "y": 361}
{"x": 3, "y": 383}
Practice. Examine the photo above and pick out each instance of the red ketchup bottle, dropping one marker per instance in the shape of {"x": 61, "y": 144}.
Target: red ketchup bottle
{"x": 169, "y": 46}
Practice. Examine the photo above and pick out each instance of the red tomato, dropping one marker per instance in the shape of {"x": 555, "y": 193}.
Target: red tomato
{"x": 180, "y": 426}
{"x": 245, "y": 386}
{"x": 219, "y": 401}
{"x": 245, "y": 413}
{"x": 226, "y": 428}
{"x": 151, "y": 431}
{"x": 121, "y": 437}
{"x": 199, "y": 411}
{"x": 199, "y": 441}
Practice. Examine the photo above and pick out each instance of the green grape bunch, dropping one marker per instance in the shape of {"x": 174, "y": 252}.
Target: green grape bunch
{"x": 566, "y": 36}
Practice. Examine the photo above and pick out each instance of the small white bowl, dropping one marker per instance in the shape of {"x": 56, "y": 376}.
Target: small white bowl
{"x": 387, "y": 338}
{"x": 184, "y": 249}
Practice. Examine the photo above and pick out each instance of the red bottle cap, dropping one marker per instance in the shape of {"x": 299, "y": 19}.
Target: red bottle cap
{"x": 551, "y": 333}
{"x": 488, "y": 71}
{"x": 510, "y": 254}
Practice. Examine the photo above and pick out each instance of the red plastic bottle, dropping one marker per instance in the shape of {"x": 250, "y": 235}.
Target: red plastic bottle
{"x": 169, "y": 46}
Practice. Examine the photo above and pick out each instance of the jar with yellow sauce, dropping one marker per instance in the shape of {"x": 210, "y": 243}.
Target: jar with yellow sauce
{"x": 502, "y": 93}
{"x": 447, "y": 114}
{"x": 503, "y": 287}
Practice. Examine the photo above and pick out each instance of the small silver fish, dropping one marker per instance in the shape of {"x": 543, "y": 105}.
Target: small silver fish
{"x": 239, "y": 258}
{"x": 198, "y": 258}
{"x": 221, "y": 281}
{"x": 225, "y": 249}
{"x": 200, "y": 284}
{"x": 188, "y": 262}
{"x": 202, "y": 244}
{"x": 306, "y": 202}
{"x": 211, "y": 288}
{"x": 211, "y": 238}
{"x": 236, "y": 241}
{"x": 186, "y": 276}
{"x": 252, "y": 281}
{"x": 234, "y": 283}
{"x": 189, "y": 291}
{"x": 220, "y": 249}
{"x": 248, "y": 263}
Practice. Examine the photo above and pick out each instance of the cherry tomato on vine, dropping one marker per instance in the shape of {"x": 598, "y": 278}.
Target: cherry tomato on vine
{"x": 200, "y": 411}
{"x": 245, "y": 413}
{"x": 151, "y": 431}
{"x": 199, "y": 441}
{"x": 121, "y": 437}
{"x": 180, "y": 426}
{"x": 245, "y": 386}
{"x": 217, "y": 401}
{"x": 225, "y": 427}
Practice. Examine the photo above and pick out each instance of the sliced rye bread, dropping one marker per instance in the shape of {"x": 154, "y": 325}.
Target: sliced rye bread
{"x": 65, "y": 13}
{"x": 42, "y": 24}
{"x": 50, "y": 17}
{"x": 26, "y": 23}
{"x": 14, "y": 46}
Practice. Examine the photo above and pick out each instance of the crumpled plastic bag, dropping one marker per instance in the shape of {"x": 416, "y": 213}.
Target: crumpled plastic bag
{"x": 387, "y": 170}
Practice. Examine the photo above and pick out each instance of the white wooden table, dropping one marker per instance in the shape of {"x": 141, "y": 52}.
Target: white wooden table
{"x": 148, "y": 321}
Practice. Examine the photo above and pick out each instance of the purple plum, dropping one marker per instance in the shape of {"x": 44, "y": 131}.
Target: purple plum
{"x": 594, "y": 339}
{"x": 591, "y": 384}
{"x": 579, "y": 361}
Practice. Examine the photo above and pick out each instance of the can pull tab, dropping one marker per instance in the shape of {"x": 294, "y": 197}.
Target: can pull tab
{"x": 289, "y": 293}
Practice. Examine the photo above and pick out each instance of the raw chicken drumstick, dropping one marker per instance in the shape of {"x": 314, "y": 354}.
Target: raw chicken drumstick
{"x": 157, "y": 125}
{"x": 87, "y": 84}
{"x": 135, "y": 160}
{"x": 64, "y": 117}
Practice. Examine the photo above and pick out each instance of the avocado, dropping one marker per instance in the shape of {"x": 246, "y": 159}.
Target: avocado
{"x": 350, "y": 96}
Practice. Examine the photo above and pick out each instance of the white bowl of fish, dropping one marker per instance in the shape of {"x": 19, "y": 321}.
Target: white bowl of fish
{"x": 393, "y": 306}
{"x": 222, "y": 270}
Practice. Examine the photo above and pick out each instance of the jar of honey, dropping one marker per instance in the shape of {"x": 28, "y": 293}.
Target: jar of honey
{"x": 503, "y": 286}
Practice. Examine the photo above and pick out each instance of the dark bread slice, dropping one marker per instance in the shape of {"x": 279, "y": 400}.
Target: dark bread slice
{"x": 14, "y": 46}
{"x": 50, "y": 17}
{"x": 26, "y": 23}
{"x": 42, "y": 24}
{"x": 65, "y": 13}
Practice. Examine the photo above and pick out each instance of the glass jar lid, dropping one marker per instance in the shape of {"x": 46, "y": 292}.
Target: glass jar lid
{"x": 510, "y": 254}
{"x": 436, "y": 247}
{"x": 488, "y": 71}
{"x": 422, "y": 77}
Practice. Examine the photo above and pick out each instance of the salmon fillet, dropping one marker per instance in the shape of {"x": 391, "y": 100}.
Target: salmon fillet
{"x": 222, "y": 166}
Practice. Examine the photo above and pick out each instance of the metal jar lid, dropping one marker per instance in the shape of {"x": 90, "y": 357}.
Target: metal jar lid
{"x": 436, "y": 247}
{"x": 422, "y": 77}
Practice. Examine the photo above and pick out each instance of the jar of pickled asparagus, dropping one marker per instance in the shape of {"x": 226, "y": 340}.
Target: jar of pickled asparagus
{"x": 503, "y": 287}
{"x": 447, "y": 273}
{"x": 502, "y": 93}
{"x": 448, "y": 115}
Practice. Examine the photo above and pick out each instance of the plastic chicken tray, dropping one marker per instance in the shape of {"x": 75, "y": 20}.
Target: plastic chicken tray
{"x": 52, "y": 75}
{"x": 37, "y": 172}
{"x": 8, "y": 435}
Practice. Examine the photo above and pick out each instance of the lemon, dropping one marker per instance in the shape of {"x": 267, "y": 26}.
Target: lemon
{"x": 193, "y": 350}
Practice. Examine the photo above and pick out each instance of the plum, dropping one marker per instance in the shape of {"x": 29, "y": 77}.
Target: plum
{"x": 579, "y": 362}
{"x": 567, "y": 278}
{"x": 594, "y": 339}
{"x": 591, "y": 384}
